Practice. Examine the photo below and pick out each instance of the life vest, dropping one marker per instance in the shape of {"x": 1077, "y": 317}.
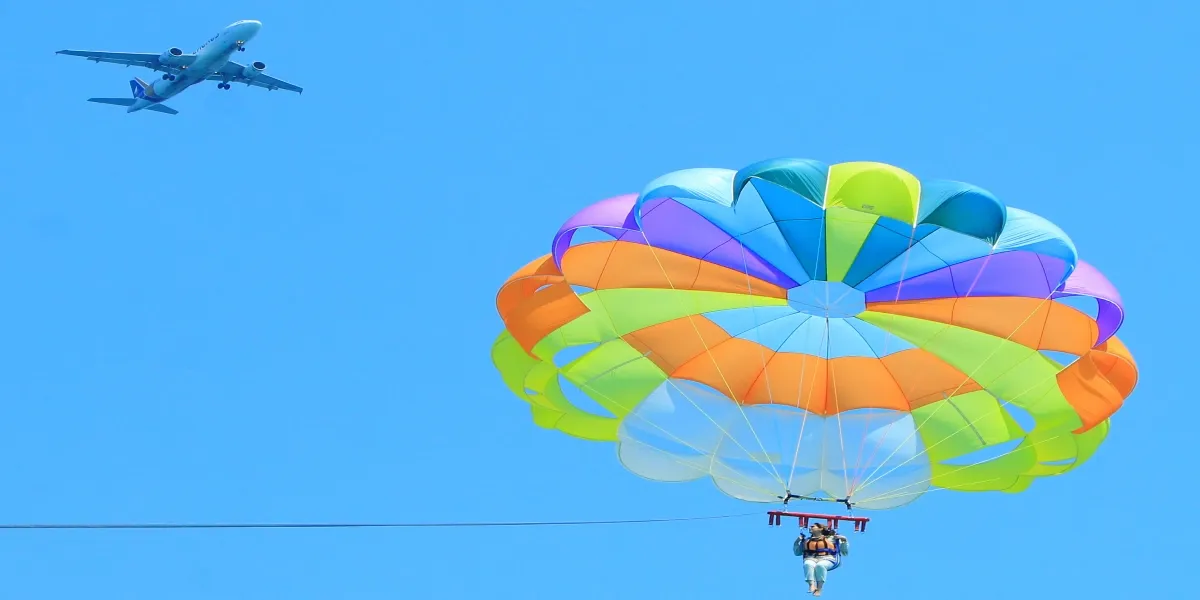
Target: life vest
{"x": 821, "y": 546}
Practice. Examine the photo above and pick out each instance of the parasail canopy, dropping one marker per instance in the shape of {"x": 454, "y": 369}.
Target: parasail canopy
{"x": 826, "y": 331}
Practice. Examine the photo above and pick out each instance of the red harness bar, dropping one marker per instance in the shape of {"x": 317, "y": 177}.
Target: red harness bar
{"x": 776, "y": 518}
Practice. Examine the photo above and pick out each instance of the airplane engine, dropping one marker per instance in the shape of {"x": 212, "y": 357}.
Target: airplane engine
{"x": 251, "y": 70}
{"x": 170, "y": 57}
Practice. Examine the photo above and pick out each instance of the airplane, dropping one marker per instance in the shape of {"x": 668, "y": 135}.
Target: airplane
{"x": 210, "y": 62}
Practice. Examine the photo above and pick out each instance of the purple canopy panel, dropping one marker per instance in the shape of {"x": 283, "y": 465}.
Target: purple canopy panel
{"x": 608, "y": 214}
{"x": 1090, "y": 282}
{"x": 672, "y": 226}
{"x": 1016, "y": 273}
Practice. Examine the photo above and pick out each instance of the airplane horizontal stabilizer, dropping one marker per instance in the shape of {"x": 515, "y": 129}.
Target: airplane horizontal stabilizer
{"x": 116, "y": 101}
{"x": 162, "y": 108}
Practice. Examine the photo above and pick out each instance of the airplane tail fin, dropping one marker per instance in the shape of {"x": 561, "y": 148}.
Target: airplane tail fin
{"x": 162, "y": 108}
{"x": 138, "y": 87}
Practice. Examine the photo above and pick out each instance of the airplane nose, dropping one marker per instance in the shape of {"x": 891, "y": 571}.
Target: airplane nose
{"x": 247, "y": 29}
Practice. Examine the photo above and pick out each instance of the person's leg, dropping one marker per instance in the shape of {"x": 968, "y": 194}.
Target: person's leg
{"x": 819, "y": 570}
{"x": 810, "y": 566}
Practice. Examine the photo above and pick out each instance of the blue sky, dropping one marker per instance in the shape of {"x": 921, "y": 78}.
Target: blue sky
{"x": 279, "y": 308}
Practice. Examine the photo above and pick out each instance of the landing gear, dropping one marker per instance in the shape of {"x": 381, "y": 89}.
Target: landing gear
{"x": 223, "y": 86}
{"x": 241, "y": 48}
{"x": 168, "y": 77}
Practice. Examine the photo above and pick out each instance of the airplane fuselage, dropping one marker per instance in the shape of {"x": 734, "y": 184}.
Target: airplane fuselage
{"x": 210, "y": 58}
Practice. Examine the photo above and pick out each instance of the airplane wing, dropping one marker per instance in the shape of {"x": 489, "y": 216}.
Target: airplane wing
{"x": 147, "y": 60}
{"x": 232, "y": 72}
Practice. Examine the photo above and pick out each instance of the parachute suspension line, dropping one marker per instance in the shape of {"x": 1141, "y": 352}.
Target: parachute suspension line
{"x": 686, "y": 397}
{"x": 860, "y": 467}
{"x": 968, "y": 378}
{"x": 476, "y": 524}
{"x": 800, "y": 395}
{"x": 724, "y": 433}
{"x": 892, "y": 493}
{"x": 720, "y": 372}
{"x": 827, "y": 341}
{"x": 762, "y": 349}
{"x": 629, "y": 411}
{"x": 971, "y": 425}
{"x": 860, "y": 482}
{"x": 803, "y": 418}
{"x": 837, "y": 410}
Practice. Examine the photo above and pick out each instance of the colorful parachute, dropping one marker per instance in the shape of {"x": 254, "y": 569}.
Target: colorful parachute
{"x": 831, "y": 331}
